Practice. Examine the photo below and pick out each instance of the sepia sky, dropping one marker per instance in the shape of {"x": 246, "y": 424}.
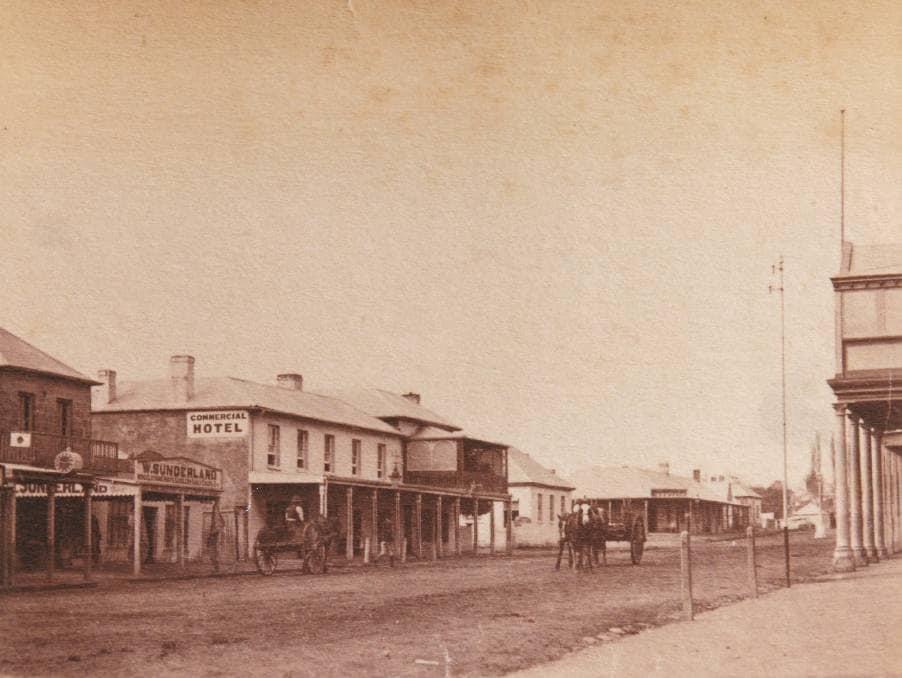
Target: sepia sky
{"x": 555, "y": 221}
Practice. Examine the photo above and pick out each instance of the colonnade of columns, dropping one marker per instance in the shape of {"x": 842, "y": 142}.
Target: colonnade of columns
{"x": 867, "y": 493}
{"x": 439, "y": 521}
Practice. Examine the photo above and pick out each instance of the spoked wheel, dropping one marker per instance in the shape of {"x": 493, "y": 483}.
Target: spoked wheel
{"x": 265, "y": 560}
{"x": 315, "y": 563}
{"x": 637, "y": 542}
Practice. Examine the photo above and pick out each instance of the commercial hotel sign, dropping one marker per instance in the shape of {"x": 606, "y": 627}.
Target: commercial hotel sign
{"x": 221, "y": 424}
{"x": 178, "y": 472}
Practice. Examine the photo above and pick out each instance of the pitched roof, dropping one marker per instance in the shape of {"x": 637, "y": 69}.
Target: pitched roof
{"x": 523, "y": 469}
{"x": 434, "y": 433}
{"x": 229, "y": 392}
{"x": 17, "y": 353}
{"x": 628, "y": 482}
{"x": 388, "y": 405}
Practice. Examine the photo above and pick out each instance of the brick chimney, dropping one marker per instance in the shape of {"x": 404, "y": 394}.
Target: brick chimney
{"x": 413, "y": 397}
{"x": 697, "y": 475}
{"x": 291, "y": 380}
{"x": 181, "y": 378}
{"x": 106, "y": 393}
{"x": 664, "y": 467}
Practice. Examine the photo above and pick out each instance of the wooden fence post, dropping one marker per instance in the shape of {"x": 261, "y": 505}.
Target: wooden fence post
{"x": 753, "y": 565}
{"x": 686, "y": 572}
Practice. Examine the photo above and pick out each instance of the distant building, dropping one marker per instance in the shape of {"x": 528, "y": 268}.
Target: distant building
{"x": 668, "y": 503}
{"x": 735, "y": 491}
{"x": 868, "y": 293}
{"x": 539, "y": 496}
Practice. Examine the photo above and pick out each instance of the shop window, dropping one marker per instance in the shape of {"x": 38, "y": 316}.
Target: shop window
{"x": 563, "y": 505}
{"x": 550, "y": 508}
{"x": 355, "y": 457}
{"x": 272, "y": 454}
{"x": 302, "y": 449}
{"x": 26, "y": 411}
{"x": 539, "y": 507}
{"x": 186, "y": 520}
{"x": 64, "y": 415}
{"x": 329, "y": 453}
{"x": 515, "y": 509}
{"x": 380, "y": 460}
{"x": 118, "y": 529}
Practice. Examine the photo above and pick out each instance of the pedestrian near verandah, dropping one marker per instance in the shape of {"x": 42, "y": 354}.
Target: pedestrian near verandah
{"x": 217, "y": 525}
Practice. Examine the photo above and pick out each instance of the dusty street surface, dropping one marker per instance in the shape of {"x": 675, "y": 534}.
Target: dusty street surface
{"x": 483, "y": 616}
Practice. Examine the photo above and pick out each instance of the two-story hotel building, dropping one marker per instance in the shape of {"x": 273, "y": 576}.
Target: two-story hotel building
{"x": 371, "y": 458}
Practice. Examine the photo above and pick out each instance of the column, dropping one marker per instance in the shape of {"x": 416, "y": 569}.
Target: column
{"x": 509, "y": 526}
{"x": 11, "y": 555}
{"x": 457, "y": 525}
{"x": 867, "y": 495}
{"x": 374, "y": 526}
{"x": 439, "y": 527}
{"x": 475, "y": 526}
{"x": 349, "y": 530}
{"x": 89, "y": 541}
{"x": 859, "y": 555}
{"x": 842, "y": 553}
{"x": 877, "y": 467}
{"x": 180, "y": 529}
{"x": 399, "y": 534}
{"x": 51, "y": 530}
{"x": 4, "y": 535}
{"x": 492, "y": 526}
{"x": 136, "y": 534}
{"x": 418, "y": 519}
{"x": 324, "y": 498}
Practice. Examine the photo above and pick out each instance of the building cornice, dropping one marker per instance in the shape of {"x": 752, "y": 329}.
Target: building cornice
{"x": 866, "y": 282}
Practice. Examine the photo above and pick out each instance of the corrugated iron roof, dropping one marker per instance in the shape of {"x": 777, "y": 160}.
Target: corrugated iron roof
{"x": 388, "y": 405}
{"x": 18, "y": 353}
{"x": 523, "y": 469}
{"x": 433, "y": 433}
{"x": 628, "y": 482}
{"x": 229, "y": 392}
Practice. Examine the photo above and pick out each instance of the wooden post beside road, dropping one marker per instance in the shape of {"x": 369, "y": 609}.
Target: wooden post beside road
{"x": 753, "y": 566}
{"x": 686, "y": 575}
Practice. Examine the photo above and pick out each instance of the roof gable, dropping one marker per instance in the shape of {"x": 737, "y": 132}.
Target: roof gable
{"x": 18, "y": 353}
{"x": 387, "y": 405}
{"x": 523, "y": 469}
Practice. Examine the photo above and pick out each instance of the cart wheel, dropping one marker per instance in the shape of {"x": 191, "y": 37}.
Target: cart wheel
{"x": 265, "y": 560}
{"x": 315, "y": 562}
{"x": 637, "y": 542}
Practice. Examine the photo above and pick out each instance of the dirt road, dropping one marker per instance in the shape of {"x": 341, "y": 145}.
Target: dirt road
{"x": 481, "y": 616}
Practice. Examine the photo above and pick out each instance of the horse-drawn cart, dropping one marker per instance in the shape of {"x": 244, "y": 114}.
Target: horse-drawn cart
{"x": 309, "y": 541}
{"x": 631, "y": 529}
{"x": 586, "y": 530}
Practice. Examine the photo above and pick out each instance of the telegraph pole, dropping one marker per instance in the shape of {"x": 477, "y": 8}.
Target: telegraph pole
{"x": 778, "y": 269}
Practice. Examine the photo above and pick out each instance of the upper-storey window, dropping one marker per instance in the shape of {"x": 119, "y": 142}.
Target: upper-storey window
{"x": 329, "y": 453}
{"x": 273, "y": 451}
{"x": 26, "y": 411}
{"x": 64, "y": 413}
{"x": 380, "y": 460}
{"x": 355, "y": 457}
{"x": 302, "y": 449}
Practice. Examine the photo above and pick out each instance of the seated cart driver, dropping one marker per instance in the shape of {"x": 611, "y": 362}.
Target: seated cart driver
{"x": 294, "y": 514}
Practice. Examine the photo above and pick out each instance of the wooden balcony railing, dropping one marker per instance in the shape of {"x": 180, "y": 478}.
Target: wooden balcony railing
{"x": 458, "y": 480}
{"x": 99, "y": 456}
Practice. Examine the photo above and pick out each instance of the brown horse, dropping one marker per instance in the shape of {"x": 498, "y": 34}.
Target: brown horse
{"x": 576, "y": 530}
